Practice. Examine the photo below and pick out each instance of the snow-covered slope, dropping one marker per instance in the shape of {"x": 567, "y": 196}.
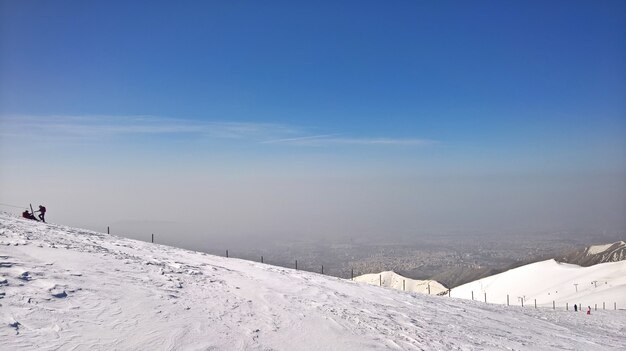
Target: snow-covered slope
{"x": 549, "y": 281}
{"x": 597, "y": 254}
{"x": 393, "y": 280}
{"x": 71, "y": 289}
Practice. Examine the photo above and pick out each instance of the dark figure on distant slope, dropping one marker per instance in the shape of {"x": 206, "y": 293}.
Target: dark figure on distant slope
{"x": 28, "y": 215}
{"x": 42, "y": 213}
{"x": 575, "y": 308}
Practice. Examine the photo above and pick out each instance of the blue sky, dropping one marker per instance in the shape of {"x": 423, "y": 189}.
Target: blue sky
{"x": 277, "y": 89}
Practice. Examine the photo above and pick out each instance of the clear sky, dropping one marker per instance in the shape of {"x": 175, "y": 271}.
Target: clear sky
{"x": 239, "y": 118}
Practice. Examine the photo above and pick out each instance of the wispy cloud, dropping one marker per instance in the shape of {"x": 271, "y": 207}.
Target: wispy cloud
{"x": 96, "y": 128}
{"x": 300, "y": 139}
{"x": 100, "y": 127}
{"x": 322, "y": 140}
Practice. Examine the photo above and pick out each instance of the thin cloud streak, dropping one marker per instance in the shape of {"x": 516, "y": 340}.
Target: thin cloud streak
{"x": 98, "y": 127}
{"x": 299, "y": 139}
{"x": 89, "y": 128}
{"x": 327, "y": 140}
{"x": 381, "y": 141}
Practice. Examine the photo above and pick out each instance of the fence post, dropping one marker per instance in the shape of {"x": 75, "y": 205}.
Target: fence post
{"x": 153, "y": 238}
{"x": 322, "y": 269}
{"x": 603, "y": 305}
{"x": 595, "y": 307}
{"x": 535, "y": 303}
{"x": 553, "y": 306}
{"x": 428, "y": 288}
{"x": 380, "y": 280}
{"x": 403, "y": 285}
{"x": 507, "y": 299}
{"x": 522, "y": 301}
{"x": 296, "y": 265}
{"x": 485, "y": 297}
{"x": 472, "y": 295}
{"x": 449, "y": 292}
{"x": 352, "y": 274}
{"x": 108, "y": 232}
{"x": 261, "y": 259}
{"x": 615, "y": 306}
{"x": 566, "y": 306}
{"x": 226, "y": 253}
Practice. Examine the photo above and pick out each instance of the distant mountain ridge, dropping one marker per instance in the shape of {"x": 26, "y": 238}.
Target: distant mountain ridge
{"x": 596, "y": 254}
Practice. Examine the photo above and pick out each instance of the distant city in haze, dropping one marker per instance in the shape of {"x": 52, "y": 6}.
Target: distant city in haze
{"x": 352, "y": 134}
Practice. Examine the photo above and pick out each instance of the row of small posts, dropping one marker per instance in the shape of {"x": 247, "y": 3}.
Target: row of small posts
{"x": 380, "y": 283}
{"x": 535, "y": 300}
{"x": 380, "y": 277}
{"x": 296, "y": 263}
{"x": 296, "y": 266}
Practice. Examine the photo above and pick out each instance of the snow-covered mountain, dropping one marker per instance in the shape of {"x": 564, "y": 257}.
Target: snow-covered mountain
{"x": 549, "y": 281}
{"x": 63, "y": 288}
{"x": 597, "y": 254}
{"x": 393, "y": 280}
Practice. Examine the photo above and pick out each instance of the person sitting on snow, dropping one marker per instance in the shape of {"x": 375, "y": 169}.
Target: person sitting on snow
{"x": 28, "y": 215}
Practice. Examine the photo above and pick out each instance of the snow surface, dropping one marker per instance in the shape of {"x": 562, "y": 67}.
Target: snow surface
{"x": 394, "y": 280}
{"x": 549, "y": 281}
{"x": 72, "y": 289}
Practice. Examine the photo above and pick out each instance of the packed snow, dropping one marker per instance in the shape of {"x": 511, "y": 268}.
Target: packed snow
{"x": 72, "y": 289}
{"x": 394, "y": 280}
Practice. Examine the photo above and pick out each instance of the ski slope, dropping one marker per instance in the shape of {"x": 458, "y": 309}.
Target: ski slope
{"x": 63, "y": 288}
{"x": 549, "y": 281}
{"x": 394, "y": 280}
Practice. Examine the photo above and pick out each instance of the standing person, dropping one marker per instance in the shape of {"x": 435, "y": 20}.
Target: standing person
{"x": 575, "y": 308}
{"x": 588, "y": 309}
{"x": 42, "y": 213}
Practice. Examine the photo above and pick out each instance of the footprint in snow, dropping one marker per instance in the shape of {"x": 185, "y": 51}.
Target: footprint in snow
{"x": 15, "y": 324}
{"x": 59, "y": 294}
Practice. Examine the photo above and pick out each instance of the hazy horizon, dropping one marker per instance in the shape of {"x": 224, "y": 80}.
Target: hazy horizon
{"x": 254, "y": 122}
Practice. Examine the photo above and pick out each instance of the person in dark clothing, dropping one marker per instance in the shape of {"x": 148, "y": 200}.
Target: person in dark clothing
{"x": 42, "y": 213}
{"x": 575, "y": 308}
{"x": 28, "y": 215}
